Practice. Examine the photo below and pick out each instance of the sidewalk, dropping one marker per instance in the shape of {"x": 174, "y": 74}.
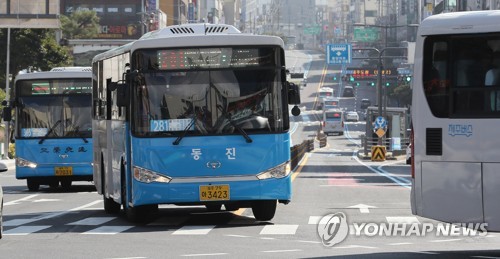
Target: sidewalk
{"x": 10, "y": 163}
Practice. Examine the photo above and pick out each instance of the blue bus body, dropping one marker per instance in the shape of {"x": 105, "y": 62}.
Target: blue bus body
{"x": 55, "y": 153}
{"x": 210, "y": 161}
{"x": 196, "y": 114}
{"x": 53, "y": 127}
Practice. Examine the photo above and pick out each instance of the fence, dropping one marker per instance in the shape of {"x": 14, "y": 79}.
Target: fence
{"x": 369, "y": 142}
{"x": 298, "y": 151}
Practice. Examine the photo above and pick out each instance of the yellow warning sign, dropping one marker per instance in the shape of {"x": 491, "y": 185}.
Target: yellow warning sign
{"x": 380, "y": 132}
{"x": 378, "y": 153}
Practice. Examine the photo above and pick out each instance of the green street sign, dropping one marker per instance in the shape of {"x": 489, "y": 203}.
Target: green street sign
{"x": 366, "y": 34}
{"x": 312, "y": 30}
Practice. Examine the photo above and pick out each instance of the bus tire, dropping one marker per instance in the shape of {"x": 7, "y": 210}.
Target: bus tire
{"x": 264, "y": 210}
{"x": 53, "y": 184}
{"x": 231, "y": 207}
{"x": 66, "y": 184}
{"x": 213, "y": 207}
{"x": 110, "y": 206}
{"x": 33, "y": 184}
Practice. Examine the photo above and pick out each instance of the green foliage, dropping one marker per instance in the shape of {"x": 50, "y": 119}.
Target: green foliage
{"x": 402, "y": 93}
{"x": 32, "y": 49}
{"x": 82, "y": 24}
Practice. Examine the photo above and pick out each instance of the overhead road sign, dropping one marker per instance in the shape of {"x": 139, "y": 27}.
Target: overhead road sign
{"x": 338, "y": 53}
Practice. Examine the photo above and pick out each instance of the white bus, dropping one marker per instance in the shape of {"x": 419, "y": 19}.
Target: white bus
{"x": 456, "y": 162}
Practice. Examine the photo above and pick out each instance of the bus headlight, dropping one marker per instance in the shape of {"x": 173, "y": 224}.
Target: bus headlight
{"x": 277, "y": 172}
{"x": 25, "y": 163}
{"x": 148, "y": 176}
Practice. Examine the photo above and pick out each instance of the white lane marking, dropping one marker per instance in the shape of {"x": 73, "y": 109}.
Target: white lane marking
{"x": 18, "y": 222}
{"x": 214, "y": 254}
{"x": 44, "y": 200}
{"x": 127, "y": 258}
{"x": 400, "y": 244}
{"x": 281, "y": 251}
{"x": 279, "y": 230}
{"x": 107, "y": 230}
{"x": 236, "y": 236}
{"x": 355, "y": 246}
{"x": 408, "y": 220}
{"x": 424, "y": 252}
{"x": 394, "y": 179}
{"x": 445, "y": 240}
{"x": 24, "y": 230}
{"x": 18, "y": 200}
{"x": 194, "y": 230}
{"x": 311, "y": 242}
{"x": 92, "y": 221}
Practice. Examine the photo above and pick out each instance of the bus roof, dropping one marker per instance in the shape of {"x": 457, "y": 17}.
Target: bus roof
{"x": 56, "y": 74}
{"x": 193, "y": 35}
{"x": 460, "y": 23}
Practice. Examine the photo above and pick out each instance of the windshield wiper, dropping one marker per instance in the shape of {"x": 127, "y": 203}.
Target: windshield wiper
{"x": 79, "y": 134}
{"x": 236, "y": 126}
{"x": 50, "y": 131}
{"x": 184, "y": 132}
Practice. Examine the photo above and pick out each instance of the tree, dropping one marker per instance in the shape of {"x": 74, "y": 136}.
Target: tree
{"x": 82, "y": 24}
{"x": 402, "y": 93}
{"x": 32, "y": 49}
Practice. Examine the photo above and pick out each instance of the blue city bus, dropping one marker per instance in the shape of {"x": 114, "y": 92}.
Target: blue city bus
{"x": 194, "y": 114}
{"x": 53, "y": 127}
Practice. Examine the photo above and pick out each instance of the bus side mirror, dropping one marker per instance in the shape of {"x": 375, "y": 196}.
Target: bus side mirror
{"x": 7, "y": 113}
{"x": 122, "y": 95}
{"x": 294, "y": 97}
{"x": 121, "y": 92}
{"x": 293, "y": 94}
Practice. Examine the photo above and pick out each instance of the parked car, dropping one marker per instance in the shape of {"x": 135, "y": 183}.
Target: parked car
{"x": 351, "y": 116}
{"x": 3, "y": 168}
{"x": 408, "y": 154}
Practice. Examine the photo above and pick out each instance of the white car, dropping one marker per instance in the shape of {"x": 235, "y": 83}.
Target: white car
{"x": 351, "y": 116}
{"x": 3, "y": 168}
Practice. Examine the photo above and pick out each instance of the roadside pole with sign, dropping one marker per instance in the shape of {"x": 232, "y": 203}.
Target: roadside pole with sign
{"x": 379, "y": 128}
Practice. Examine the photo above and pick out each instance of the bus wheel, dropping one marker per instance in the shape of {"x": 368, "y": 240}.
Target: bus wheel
{"x": 66, "y": 184}
{"x": 53, "y": 184}
{"x": 264, "y": 210}
{"x": 231, "y": 207}
{"x": 33, "y": 184}
{"x": 213, "y": 207}
{"x": 110, "y": 206}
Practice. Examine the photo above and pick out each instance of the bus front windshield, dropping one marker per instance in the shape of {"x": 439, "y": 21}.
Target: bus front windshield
{"x": 218, "y": 100}
{"x": 46, "y": 110}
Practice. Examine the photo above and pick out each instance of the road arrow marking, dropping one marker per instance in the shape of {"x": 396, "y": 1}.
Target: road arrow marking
{"x": 363, "y": 208}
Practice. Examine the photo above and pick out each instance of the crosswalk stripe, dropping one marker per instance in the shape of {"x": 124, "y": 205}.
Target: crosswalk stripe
{"x": 17, "y": 222}
{"x": 279, "y": 229}
{"x": 92, "y": 221}
{"x": 24, "y": 230}
{"x": 107, "y": 230}
{"x": 194, "y": 230}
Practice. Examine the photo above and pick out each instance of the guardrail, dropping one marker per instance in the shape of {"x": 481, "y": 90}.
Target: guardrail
{"x": 369, "y": 142}
{"x": 297, "y": 152}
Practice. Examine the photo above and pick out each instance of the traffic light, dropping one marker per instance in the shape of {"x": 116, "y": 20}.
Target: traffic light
{"x": 357, "y": 83}
{"x": 351, "y": 78}
{"x": 372, "y": 84}
{"x": 334, "y": 78}
{"x": 387, "y": 84}
{"x": 408, "y": 78}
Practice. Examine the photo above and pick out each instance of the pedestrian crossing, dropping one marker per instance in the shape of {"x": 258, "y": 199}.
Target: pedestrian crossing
{"x": 117, "y": 225}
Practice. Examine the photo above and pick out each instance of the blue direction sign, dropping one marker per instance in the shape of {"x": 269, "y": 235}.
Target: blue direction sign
{"x": 380, "y": 123}
{"x": 338, "y": 53}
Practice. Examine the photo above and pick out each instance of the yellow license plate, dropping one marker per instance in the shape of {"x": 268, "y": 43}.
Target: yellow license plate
{"x": 214, "y": 192}
{"x": 64, "y": 170}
